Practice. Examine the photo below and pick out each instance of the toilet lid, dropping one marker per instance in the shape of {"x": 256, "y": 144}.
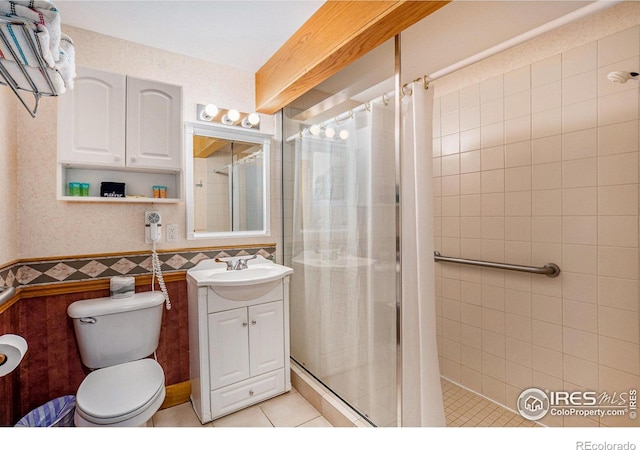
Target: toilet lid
{"x": 120, "y": 390}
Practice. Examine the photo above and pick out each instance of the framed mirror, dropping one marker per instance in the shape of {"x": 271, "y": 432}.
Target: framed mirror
{"x": 227, "y": 181}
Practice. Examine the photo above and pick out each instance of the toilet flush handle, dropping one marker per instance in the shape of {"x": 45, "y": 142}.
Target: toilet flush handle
{"x": 90, "y": 320}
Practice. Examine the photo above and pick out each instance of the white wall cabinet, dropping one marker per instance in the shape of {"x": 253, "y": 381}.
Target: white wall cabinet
{"x": 112, "y": 122}
{"x": 239, "y": 350}
{"x": 92, "y": 120}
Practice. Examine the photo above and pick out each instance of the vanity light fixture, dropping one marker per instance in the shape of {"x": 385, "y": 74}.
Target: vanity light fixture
{"x": 209, "y": 112}
{"x": 231, "y": 117}
{"x": 344, "y": 135}
{"x": 251, "y": 120}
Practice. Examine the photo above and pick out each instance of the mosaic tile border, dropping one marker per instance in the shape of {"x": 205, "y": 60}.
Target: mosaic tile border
{"x": 56, "y": 271}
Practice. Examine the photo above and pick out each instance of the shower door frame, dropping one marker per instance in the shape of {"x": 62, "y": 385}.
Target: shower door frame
{"x": 398, "y": 157}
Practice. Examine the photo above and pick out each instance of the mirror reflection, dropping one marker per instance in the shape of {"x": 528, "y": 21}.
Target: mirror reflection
{"x": 228, "y": 182}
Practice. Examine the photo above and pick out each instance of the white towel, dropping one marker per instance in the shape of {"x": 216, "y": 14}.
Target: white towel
{"x": 24, "y": 52}
{"x": 66, "y": 64}
{"x": 34, "y": 74}
{"x": 37, "y": 12}
{"x": 42, "y": 24}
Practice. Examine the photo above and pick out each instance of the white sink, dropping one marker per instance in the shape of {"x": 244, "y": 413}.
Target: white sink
{"x": 260, "y": 277}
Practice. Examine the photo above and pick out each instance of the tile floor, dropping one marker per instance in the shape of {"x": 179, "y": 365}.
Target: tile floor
{"x": 463, "y": 408}
{"x": 286, "y": 410}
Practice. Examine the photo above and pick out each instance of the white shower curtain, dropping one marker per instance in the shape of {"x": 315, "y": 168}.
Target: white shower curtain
{"x": 422, "y": 403}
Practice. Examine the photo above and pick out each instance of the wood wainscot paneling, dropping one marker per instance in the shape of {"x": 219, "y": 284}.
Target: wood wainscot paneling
{"x": 52, "y": 366}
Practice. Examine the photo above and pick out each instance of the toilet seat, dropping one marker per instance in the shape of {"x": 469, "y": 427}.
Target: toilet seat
{"x": 114, "y": 395}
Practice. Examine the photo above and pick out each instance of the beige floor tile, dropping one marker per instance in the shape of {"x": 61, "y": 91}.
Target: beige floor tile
{"x": 249, "y": 417}
{"x": 318, "y": 422}
{"x": 289, "y": 410}
{"x": 178, "y": 416}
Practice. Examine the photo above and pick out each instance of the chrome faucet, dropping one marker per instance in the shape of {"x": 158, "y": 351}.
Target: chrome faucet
{"x": 237, "y": 264}
{"x": 241, "y": 263}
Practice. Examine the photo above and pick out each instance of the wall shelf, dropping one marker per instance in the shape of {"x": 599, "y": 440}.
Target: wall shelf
{"x": 68, "y": 198}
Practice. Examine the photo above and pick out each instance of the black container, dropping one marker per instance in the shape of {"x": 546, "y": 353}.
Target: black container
{"x": 111, "y": 189}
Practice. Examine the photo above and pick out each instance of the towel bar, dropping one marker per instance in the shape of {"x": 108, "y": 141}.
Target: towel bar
{"x": 42, "y": 69}
{"x": 550, "y": 269}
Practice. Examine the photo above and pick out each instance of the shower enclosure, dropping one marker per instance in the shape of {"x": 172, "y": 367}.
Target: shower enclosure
{"x": 340, "y": 234}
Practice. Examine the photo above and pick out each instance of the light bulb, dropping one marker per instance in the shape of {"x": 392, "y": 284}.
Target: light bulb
{"x": 314, "y": 130}
{"x": 344, "y": 135}
{"x": 233, "y": 115}
{"x": 209, "y": 112}
{"x": 329, "y": 132}
{"x": 251, "y": 120}
{"x": 254, "y": 119}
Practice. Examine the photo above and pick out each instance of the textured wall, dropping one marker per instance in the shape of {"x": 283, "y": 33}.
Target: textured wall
{"x": 53, "y": 228}
{"x": 8, "y": 178}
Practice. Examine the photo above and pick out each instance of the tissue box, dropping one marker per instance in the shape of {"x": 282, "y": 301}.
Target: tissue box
{"x": 111, "y": 189}
{"x": 122, "y": 287}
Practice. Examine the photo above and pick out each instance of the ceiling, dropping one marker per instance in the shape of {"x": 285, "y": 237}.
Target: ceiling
{"x": 235, "y": 33}
{"x": 244, "y": 34}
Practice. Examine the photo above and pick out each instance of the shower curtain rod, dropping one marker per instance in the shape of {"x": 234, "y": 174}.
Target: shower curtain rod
{"x": 591, "y": 8}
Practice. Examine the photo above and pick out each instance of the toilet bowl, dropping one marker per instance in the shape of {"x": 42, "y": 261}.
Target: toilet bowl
{"x": 125, "y": 395}
{"x": 115, "y": 337}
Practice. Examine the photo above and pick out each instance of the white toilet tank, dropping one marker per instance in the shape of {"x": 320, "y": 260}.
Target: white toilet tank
{"x": 113, "y": 331}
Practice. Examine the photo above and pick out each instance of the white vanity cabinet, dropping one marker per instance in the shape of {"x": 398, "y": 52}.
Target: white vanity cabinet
{"x": 245, "y": 342}
{"x": 113, "y": 127}
{"x": 238, "y": 349}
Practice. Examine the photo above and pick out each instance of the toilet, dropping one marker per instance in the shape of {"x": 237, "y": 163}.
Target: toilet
{"x": 116, "y": 336}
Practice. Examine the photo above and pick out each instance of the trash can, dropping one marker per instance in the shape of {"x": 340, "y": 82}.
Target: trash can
{"x": 55, "y": 413}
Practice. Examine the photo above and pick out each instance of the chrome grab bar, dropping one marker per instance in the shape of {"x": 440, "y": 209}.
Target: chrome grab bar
{"x": 550, "y": 269}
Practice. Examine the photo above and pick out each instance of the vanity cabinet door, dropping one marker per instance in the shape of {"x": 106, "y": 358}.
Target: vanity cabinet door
{"x": 228, "y": 347}
{"x": 154, "y": 125}
{"x": 266, "y": 337}
{"x": 91, "y": 119}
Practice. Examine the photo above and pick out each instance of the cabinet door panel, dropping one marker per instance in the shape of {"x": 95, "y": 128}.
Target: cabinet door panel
{"x": 154, "y": 120}
{"x": 266, "y": 337}
{"x": 92, "y": 119}
{"x": 228, "y": 347}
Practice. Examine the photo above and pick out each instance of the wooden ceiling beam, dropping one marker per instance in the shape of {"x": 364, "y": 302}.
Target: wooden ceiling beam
{"x": 338, "y": 33}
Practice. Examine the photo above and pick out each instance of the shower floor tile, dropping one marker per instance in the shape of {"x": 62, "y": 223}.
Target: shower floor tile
{"x": 463, "y": 408}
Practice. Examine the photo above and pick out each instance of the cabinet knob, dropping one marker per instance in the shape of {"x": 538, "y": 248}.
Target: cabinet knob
{"x": 253, "y": 322}
{"x": 244, "y": 324}
{"x": 251, "y": 392}
{"x": 133, "y": 159}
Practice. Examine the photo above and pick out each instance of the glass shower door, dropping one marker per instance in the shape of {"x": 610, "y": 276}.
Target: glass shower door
{"x": 340, "y": 239}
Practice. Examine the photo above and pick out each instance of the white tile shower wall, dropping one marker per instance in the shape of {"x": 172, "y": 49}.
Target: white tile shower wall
{"x": 537, "y": 165}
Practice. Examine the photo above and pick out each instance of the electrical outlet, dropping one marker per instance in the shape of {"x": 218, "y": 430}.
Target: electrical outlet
{"x": 172, "y": 232}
